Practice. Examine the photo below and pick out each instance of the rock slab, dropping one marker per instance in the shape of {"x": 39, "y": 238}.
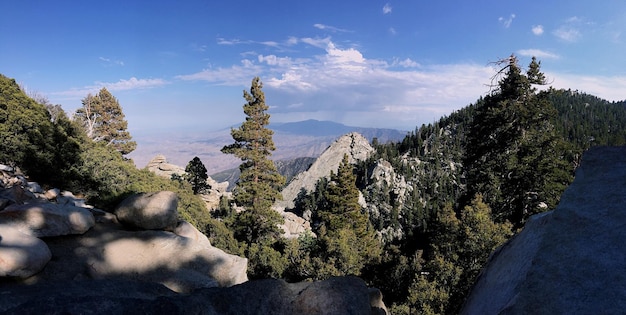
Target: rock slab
{"x": 47, "y": 219}
{"x": 570, "y": 260}
{"x": 150, "y": 211}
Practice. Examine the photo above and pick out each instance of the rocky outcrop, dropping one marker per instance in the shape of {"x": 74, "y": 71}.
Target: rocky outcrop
{"x": 211, "y": 197}
{"x": 161, "y": 167}
{"x": 99, "y": 247}
{"x": 384, "y": 181}
{"x": 342, "y": 295}
{"x": 150, "y": 211}
{"x": 353, "y": 144}
{"x": 570, "y": 260}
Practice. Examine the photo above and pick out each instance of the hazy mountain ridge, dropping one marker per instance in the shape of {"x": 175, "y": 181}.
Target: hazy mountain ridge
{"x": 307, "y": 138}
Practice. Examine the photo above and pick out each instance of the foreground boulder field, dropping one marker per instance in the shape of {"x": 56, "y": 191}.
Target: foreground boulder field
{"x": 58, "y": 254}
{"x": 570, "y": 260}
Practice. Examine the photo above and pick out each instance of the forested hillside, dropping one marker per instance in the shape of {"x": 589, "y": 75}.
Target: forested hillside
{"x": 437, "y": 203}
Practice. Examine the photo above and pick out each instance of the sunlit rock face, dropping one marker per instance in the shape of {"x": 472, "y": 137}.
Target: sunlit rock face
{"x": 353, "y": 144}
{"x": 570, "y": 260}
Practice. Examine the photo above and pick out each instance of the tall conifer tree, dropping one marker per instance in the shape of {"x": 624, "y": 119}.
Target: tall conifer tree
{"x": 197, "y": 175}
{"x": 259, "y": 182}
{"x": 103, "y": 120}
{"x": 514, "y": 157}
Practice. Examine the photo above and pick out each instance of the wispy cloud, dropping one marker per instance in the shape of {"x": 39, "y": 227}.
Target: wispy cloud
{"x": 290, "y": 41}
{"x": 541, "y": 54}
{"x": 406, "y": 63}
{"x": 121, "y": 85}
{"x": 341, "y": 81}
{"x": 387, "y": 8}
{"x": 506, "y": 22}
{"x": 537, "y": 30}
{"x": 607, "y": 87}
{"x": 567, "y": 34}
{"x": 570, "y": 30}
{"x": 111, "y": 62}
{"x": 392, "y": 31}
{"x": 330, "y": 28}
{"x": 234, "y": 75}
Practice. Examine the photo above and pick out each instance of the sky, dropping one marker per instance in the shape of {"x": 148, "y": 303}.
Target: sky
{"x": 180, "y": 66}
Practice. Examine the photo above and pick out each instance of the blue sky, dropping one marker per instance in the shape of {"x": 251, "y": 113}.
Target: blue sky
{"x": 182, "y": 65}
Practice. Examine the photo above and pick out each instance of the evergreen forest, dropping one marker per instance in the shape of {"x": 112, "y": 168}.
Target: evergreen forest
{"x": 460, "y": 186}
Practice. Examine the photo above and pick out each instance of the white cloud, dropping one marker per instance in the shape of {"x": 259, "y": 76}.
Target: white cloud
{"x": 406, "y": 63}
{"x": 316, "y": 42}
{"x": 233, "y": 75}
{"x": 121, "y": 85}
{"x": 111, "y": 62}
{"x": 272, "y": 60}
{"x": 132, "y": 84}
{"x": 392, "y": 31}
{"x": 330, "y": 28}
{"x": 342, "y": 84}
{"x": 507, "y": 21}
{"x": 570, "y": 30}
{"x": 235, "y": 41}
{"x": 537, "y": 30}
{"x": 567, "y": 34}
{"x": 610, "y": 88}
{"x": 537, "y": 53}
{"x": 387, "y": 8}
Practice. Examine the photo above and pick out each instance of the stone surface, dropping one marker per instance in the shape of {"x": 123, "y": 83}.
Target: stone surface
{"x": 108, "y": 251}
{"x": 21, "y": 255}
{"x": 47, "y": 219}
{"x": 342, "y": 295}
{"x": 151, "y": 211}
{"x": 161, "y": 167}
{"x": 570, "y": 260}
{"x": 353, "y": 144}
{"x": 294, "y": 225}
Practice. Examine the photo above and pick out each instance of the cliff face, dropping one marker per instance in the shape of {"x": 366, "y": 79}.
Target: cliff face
{"x": 352, "y": 144}
{"x": 570, "y": 260}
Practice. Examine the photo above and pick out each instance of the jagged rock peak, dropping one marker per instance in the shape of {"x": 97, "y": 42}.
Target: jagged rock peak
{"x": 353, "y": 144}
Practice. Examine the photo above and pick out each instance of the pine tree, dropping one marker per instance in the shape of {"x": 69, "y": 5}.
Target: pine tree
{"x": 259, "y": 182}
{"x": 347, "y": 239}
{"x": 103, "y": 120}
{"x": 197, "y": 175}
{"x": 514, "y": 157}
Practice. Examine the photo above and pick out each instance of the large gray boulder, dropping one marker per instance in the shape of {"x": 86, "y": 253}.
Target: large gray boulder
{"x": 150, "y": 211}
{"x": 21, "y": 255}
{"x": 47, "y": 219}
{"x": 107, "y": 251}
{"x": 570, "y": 260}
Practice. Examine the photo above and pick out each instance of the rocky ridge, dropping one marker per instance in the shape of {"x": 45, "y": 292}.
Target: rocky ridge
{"x": 569, "y": 260}
{"x": 353, "y": 144}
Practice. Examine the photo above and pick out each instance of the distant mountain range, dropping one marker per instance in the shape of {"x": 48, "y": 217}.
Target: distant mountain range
{"x": 307, "y": 138}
